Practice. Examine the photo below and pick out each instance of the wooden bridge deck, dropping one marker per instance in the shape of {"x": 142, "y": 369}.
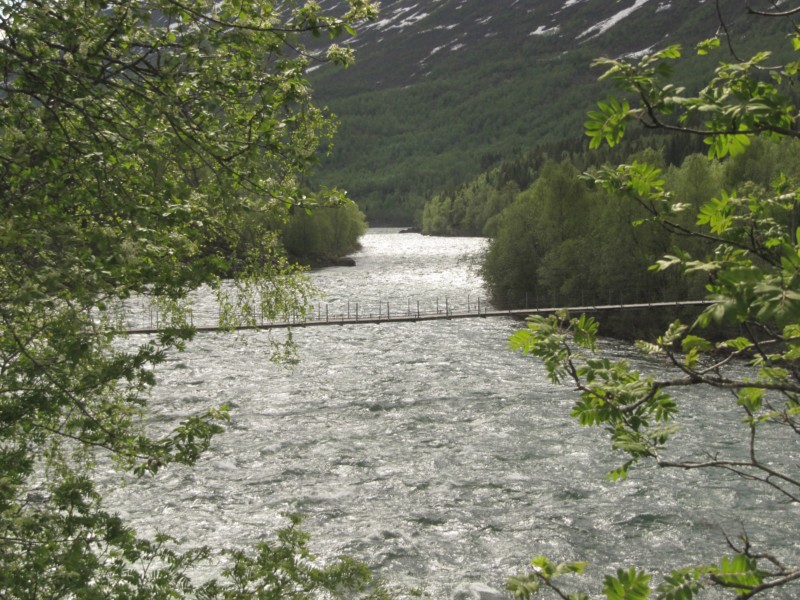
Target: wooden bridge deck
{"x": 412, "y": 317}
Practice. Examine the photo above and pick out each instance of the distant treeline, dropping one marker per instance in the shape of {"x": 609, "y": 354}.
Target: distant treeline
{"x": 556, "y": 241}
{"x": 468, "y": 208}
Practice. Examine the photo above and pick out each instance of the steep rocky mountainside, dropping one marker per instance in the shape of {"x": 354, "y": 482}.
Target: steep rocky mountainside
{"x": 444, "y": 88}
{"x": 414, "y": 38}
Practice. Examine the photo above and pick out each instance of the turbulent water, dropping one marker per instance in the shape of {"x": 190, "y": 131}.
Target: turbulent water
{"x": 429, "y": 450}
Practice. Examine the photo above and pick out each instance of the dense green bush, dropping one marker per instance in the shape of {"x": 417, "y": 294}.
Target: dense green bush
{"x": 324, "y": 233}
{"x": 561, "y": 242}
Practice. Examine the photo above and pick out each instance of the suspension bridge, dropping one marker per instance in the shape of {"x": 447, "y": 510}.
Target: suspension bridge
{"x": 354, "y": 315}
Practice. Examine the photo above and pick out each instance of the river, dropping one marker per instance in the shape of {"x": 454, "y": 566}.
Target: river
{"x": 429, "y": 450}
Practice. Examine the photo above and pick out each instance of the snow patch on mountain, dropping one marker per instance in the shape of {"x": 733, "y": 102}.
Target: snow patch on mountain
{"x": 544, "y": 30}
{"x": 603, "y": 26}
{"x": 399, "y": 19}
{"x": 640, "y": 53}
{"x": 404, "y": 16}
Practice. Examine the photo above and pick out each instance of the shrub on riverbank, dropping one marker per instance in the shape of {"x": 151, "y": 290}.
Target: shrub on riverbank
{"x": 324, "y": 234}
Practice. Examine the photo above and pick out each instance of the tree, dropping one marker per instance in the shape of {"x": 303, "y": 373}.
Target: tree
{"x": 753, "y": 279}
{"x": 324, "y": 234}
{"x": 138, "y": 138}
{"x": 563, "y": 244}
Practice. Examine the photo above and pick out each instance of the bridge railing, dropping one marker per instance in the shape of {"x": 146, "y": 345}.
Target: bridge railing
{"x": 144, "y": 317}
{"x": 209, "y": 318}
{"x": 388, "y": 308}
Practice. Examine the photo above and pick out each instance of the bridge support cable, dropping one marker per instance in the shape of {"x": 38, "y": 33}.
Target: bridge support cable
{"x": 478, "y": 310}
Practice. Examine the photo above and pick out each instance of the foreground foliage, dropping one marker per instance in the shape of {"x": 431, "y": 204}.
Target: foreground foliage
{"x": 753, "y": 277}
{"x": 140, "y": 143}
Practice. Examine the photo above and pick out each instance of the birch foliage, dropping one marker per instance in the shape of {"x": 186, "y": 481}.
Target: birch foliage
{"x": 140, "y": 140}
{"x": 753, "y": 279}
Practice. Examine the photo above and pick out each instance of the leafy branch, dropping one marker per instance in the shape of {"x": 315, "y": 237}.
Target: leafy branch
{"x": 745, "y": 344}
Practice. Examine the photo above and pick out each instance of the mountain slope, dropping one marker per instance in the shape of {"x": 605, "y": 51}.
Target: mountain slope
{"x": 443, "y": 89}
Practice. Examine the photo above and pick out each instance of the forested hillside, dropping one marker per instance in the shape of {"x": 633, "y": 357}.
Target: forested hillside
{"x": 443, "y": 91}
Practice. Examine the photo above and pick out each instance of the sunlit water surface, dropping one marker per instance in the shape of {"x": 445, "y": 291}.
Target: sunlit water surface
{"x": 430, "y": 450}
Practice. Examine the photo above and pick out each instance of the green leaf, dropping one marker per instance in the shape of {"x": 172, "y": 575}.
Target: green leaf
{"x": 607, "y": 124}
{"x": 717, "y": 214}
{"x": 671, "y": 52}
{"x": 523, "y": 587}
{"x": 721, "y": 145}
{"x": 693, "y": 342}
{"x": 708, "y": 45}
{"x": 738, "y": 344}
{"x": 620, "y": 473}
{"x": 666, "y": 262}
{"x": 649, "y": 347}
{"x": 750, "y": 398}
{"x": 627, "y": 585}
{"x": 740, "y": 571}
{"x": 682, "y": 584}
{"x": 584, "y": 330}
